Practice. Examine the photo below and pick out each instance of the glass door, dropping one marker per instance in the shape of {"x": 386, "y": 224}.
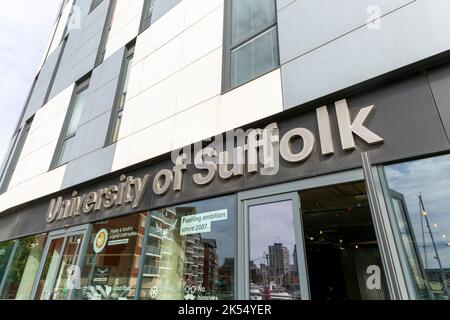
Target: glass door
{"x": 274, "y": 239}
{"x": 60, "y": 273}
{"x": 316, "y": 238}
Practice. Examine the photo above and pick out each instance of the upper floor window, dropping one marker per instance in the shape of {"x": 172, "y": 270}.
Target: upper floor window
{"x": 251, "y": 42}
{"x": 65, "y": 150}
{"x": 147, "y": 13}
{"x": 14, "y": 156}
{"x": 106, "y": 32}
{"x": 122, "y": 95}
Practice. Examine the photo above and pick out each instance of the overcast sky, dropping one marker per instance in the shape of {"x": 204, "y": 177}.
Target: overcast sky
{"x": 25, "y": 27}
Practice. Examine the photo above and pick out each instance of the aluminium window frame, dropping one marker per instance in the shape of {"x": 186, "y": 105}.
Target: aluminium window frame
{"x": 84, "y": 230}
{"x": 55, "y": 70}
{"x": 397, "y": 286}
{"x": 66, "y": 27}
{"x": 229, "y": 46}
{"x": 145, "y": 8}
{"x": 275, "y": 193}
{"x": 14, "y": 156}
{"x": 128, "y": 55}
{"x": 82, "y": 85}
{"x": 101, "y": 52}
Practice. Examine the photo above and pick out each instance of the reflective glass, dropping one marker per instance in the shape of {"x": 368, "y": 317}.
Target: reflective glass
{"x": 249, "y": 16}
{"x": 112, "y": 261}
{"x": 147, "y": 14}
{"x": 67, "y": 151}
{"x": 190, "y": 252}
{"x": 273, "y": 252}
{"x": 420, "y": 193}
{"x": 76, "y": 114}
{"x": 254, "y": 58}
{"x": 51, "y": 266}
{"x": 68, "y": 274}
{"x": 23, "y": 267}
{"x": 6, "y": 249}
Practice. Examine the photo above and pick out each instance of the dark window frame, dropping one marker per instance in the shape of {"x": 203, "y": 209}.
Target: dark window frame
{"x": 145, "y": 8}
{"x": 105, "y": 34}
{"x": 229, "y": 46}
{"x": 81, "y": 86}
{"x": 94, "y": 4}
{"x": 66, "y": 28}
{"x": 14, "y": 155}
{"x": 117, "y": 108}
{"x": 55, "y": 70}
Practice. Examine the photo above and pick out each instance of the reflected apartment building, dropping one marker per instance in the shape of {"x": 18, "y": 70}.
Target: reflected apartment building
{"x": 233, "y": 149}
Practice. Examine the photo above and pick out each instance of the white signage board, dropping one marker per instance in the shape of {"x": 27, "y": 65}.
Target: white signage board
{"x": 201, "y": 223}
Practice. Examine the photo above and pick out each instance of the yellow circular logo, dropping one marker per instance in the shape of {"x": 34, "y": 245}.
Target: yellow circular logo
{"x": 101, "y": 238}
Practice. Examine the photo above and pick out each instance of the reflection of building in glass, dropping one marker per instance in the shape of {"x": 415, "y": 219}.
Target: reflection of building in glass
{"x": 186, "y": 259}
{"x": 279, "y": 265}
{"x": 226, "y": 272}
{"x": 210, "y": 267}
{"x": 163, "y": 257}
{"x": 194, "y": 259}
{"x": 295, "y": 267}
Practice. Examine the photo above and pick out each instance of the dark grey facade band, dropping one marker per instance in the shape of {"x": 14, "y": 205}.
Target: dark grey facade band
{"x": 404, "y": 114}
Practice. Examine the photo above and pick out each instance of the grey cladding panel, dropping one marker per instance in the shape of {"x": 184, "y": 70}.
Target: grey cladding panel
{"x": 89, "y": 166}
{"x": 440, "y": 86}
{"x": 102, "y": 87}
{"x": 317, "y": 22}
{"x": 42, "y": 84}
{"x": 81, "y": 49}
{"x": 284, "y": 3}
{"x": 93, "y": 133}
{"x": 405, "y": 116}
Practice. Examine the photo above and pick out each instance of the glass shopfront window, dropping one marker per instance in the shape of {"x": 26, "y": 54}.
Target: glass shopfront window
{"x": 273, "y": 252}
{"x": 19, "y": 264}
{"x": 111, "y": 265}
{"x": 420, "y": 194}
{"x": 5, "y": 253}
{"x": 190, "y": 251}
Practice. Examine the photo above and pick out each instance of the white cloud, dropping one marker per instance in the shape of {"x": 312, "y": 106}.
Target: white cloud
{"x": 25, "y": 26}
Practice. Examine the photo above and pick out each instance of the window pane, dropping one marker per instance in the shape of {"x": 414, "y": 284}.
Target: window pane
{"x": 420, "y": 191}
{"x": 67, "y": 268}
{"x": 273, "y": 252}
{"x": 76, "y": 114}
{"x": 147, "y": 14}
{"x": 51, "y": 265}
{"x": 250, "y": 15}
{"x": 110, "y": 269}
{"x": 126, "y": 81}
{"x": 23, "y": 268}
{"x": 254, "y": 58}
{"x": 67, "y": 151}
{"x": 6, "y": 249}
{"x": 115, "y": 136}
{"x": 190, "y": 252}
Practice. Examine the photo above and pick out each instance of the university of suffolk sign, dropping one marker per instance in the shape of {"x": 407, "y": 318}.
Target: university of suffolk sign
{"x": 254, "y": 151}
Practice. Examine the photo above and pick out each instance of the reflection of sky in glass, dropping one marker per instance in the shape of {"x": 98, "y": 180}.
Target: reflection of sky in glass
{"x": 430, "y": 178}
{"x": 271, "y": 223}
{"x": 224, "y": 232}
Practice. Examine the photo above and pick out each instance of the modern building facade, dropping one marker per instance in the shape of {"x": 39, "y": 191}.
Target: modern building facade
{"x": 233, "y": 149}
